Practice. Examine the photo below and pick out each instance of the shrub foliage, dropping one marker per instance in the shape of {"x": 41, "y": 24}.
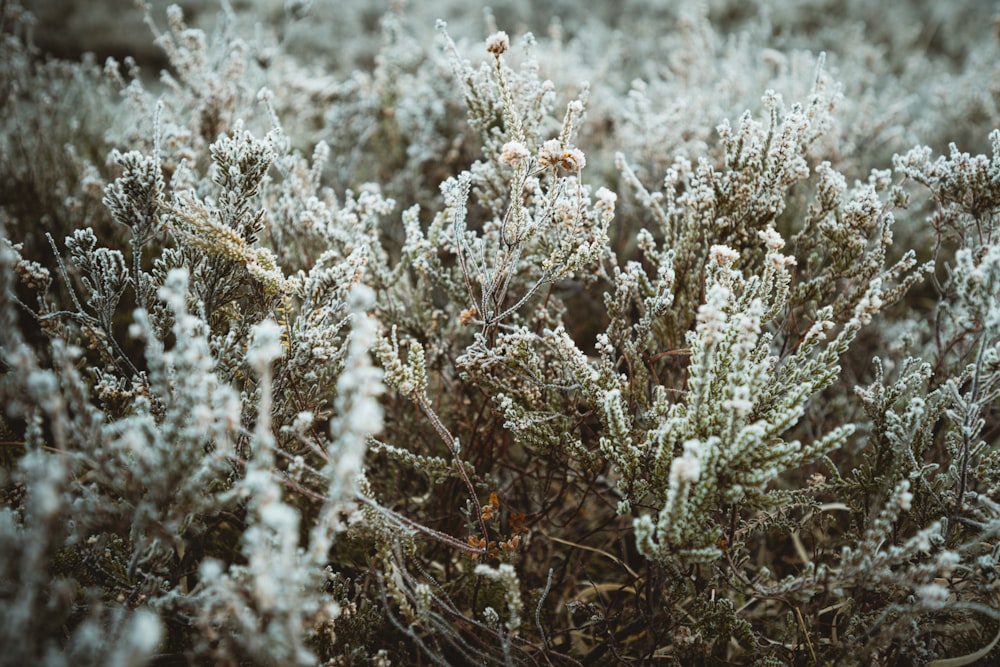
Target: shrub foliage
{"x": 461, "y": 359}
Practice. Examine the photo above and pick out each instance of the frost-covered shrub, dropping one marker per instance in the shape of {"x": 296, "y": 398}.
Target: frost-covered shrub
{"x": 614, "y": 344}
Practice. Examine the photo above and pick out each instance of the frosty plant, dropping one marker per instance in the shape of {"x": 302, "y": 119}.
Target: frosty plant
{"x": 722, "y": 444}
{"x": 582, "y": 349}
{"x": 545, "y": 223}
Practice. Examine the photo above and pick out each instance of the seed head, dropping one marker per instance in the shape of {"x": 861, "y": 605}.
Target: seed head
{"x": 498, "y": 43}
{"x": 514, "y": 153}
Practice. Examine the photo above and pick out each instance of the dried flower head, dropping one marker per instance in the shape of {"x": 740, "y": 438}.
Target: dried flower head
{"x": 548, "y": 155}
{"x": 514, "y": 154}
{"x": 498, "y": 43}
{"x": 554, "y": 154}
{"x": 723, "y": 255}
{"x": 572, "y": 159}
{"x": 771, "y": 238}
{"x": 468, "y": 315}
